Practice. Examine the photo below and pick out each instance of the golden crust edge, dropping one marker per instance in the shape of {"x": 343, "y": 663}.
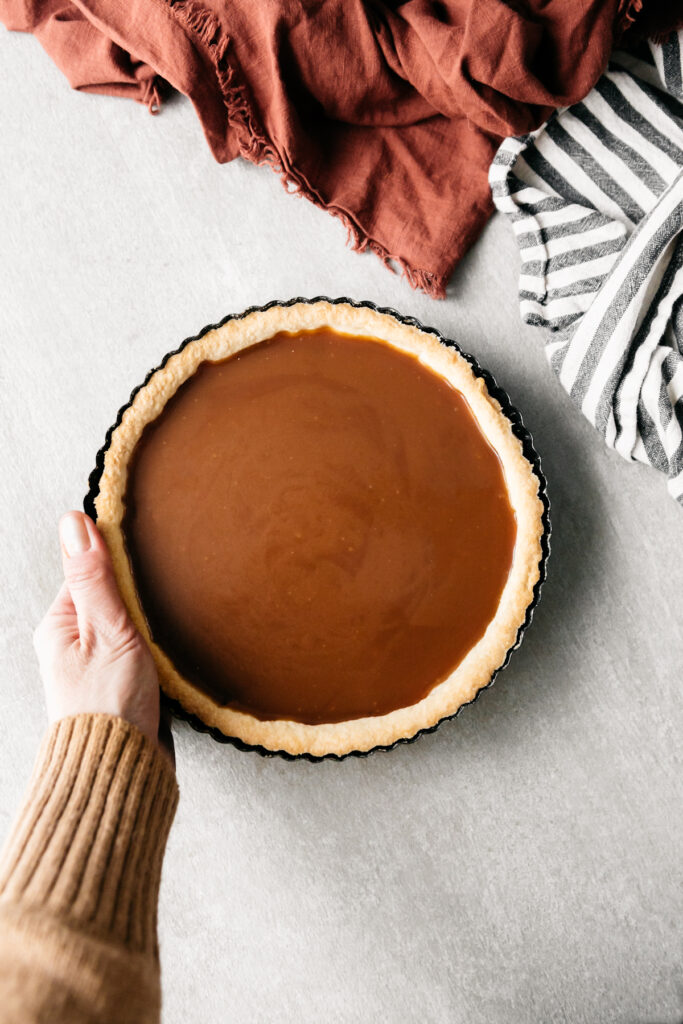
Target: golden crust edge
{"x": 476, "y": 669}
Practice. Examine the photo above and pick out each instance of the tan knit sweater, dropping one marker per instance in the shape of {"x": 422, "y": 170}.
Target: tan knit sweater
{"x": 79, "y": 879}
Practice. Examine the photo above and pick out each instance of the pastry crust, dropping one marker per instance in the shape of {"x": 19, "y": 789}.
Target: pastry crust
{"x": 478, "y": 666}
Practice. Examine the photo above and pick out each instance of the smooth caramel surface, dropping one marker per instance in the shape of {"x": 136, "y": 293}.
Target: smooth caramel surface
{"x": 317, "y": 528}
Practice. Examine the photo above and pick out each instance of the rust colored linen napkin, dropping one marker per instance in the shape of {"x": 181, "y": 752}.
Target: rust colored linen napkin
{"x": 386, "y": 114}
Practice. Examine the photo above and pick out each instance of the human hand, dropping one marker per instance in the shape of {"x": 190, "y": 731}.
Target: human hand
{"x": 91, "y": 657}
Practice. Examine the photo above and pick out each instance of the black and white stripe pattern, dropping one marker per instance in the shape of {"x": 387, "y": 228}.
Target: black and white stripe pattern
{"x": 595, "y": 197}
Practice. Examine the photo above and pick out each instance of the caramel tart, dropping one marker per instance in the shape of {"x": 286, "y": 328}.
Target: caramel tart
{"x": 328, "y": 524}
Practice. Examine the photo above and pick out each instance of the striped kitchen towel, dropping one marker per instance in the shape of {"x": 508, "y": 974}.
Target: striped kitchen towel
{"x": 595, "y": 197}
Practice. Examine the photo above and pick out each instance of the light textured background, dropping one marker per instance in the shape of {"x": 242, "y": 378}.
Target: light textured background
{"x": 521, "y": 865}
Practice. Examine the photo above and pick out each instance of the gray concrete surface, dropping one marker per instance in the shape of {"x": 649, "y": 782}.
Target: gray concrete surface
{"x": 523, "y": 864}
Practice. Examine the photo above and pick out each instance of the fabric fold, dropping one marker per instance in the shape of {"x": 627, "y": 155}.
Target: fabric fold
{"x": 385, "y": 114}
{"x": 596, "y": 202}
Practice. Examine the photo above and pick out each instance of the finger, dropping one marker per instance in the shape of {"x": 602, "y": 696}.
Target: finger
{"x": 61, "y": 615}
{"x": 62, "y": 609}
{"x": 90, "y": 577}
{"x": 59, "y": 626}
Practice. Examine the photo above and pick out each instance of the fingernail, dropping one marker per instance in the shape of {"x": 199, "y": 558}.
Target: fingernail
{"x": 74, "y": 535}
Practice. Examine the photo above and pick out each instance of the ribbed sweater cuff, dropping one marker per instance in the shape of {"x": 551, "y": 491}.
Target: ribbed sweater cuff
{"x": 90, "y": 838}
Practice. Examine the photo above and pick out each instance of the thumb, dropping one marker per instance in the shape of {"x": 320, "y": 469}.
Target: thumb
{"x": 90, "y": 577}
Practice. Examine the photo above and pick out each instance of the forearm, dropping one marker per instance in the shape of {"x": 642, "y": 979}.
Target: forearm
{"x": 79, "y": 879}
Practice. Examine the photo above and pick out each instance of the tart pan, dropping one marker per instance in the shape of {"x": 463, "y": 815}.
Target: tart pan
{"x": 519, "y": 431}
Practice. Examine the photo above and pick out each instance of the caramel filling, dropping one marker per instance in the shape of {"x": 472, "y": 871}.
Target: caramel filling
{"x": 317, "y": 528}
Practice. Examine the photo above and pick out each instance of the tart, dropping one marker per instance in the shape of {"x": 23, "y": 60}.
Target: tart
{"x": 328, "y": 524}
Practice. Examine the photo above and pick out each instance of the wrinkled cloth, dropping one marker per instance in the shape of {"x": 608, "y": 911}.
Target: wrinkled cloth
{"x": 596, "y": 202}
{"x": 386, "y": 114}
